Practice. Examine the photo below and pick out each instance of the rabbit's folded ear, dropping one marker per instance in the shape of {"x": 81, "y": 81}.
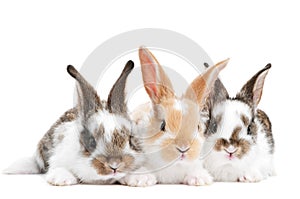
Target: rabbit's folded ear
{"x": 116, "y": 98}
{"x": 251, "y": 92}
{"x": 202, "y": 85}
{"x": 156, "y": 82}
{"x": 88, "y": 100}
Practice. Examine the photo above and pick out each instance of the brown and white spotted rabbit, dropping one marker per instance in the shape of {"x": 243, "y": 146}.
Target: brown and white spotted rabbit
{"x": 93, "y": 142}
{"x": 239, "y": 142}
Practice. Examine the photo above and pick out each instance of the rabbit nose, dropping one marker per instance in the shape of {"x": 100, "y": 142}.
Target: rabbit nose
{"x": 183, "y": 150}
{"x": 114, "y": 166}
{"x": 231, "y": 149}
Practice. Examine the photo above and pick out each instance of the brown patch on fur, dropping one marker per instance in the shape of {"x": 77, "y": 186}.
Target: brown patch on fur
{"x": 245, "y": 120}
{"x": 264, "y": 120}
{"x": 221, "y": 144}
{"x": 120, "y": 138}
{"x": 243, "y": 147}
{"x": 128, "y": 161}
{"x": 218, "y": 119}
{"x": 85, "y": 153}
{"x": 235, "y": 133}
{"x": 46, "y": 144}
{"x": 60, "y": 137}
{"x": 135, "y": 144}
{"x": 101, "y": 166}
{"x": 253, "y": 130}
{"x": 267, "y": 126}
{"x": 99, "y": 132}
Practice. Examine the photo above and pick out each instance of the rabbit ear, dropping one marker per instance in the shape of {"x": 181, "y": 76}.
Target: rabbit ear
{"x": 201, "y": 87}
{"x": 251, "y": 92}
{"x": 218, "y": 93}
{"x": 88, "y": 100}
{"x": 156, "y": 82}
{"x": 116, "y": 98}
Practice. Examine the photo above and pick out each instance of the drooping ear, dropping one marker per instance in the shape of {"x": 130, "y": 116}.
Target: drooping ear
{"x": 251, "y": 92}
{"x": 116, "y": 98}
{"x": 202, "y": 85}
{"x": 156, "y": 82}
{"x": 88, "y": 100}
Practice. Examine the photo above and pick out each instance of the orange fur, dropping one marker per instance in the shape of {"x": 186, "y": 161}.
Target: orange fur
{"x": 181, "y": 125}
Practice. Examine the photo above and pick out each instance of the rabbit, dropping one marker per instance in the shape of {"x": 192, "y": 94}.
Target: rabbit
{"x": 239, "y": 141}
{"x": 174, "y": 127}
{"x": 94, "y": 142}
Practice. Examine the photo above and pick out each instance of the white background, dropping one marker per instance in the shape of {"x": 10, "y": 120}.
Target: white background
{"x": 38, "y": 40}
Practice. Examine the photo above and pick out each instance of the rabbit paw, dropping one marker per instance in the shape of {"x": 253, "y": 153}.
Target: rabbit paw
{"x": 252, "y": 177}
{"x": 139, "y": 180}
{"x": 60, "y": 177}
{"x": 198, "y": 180}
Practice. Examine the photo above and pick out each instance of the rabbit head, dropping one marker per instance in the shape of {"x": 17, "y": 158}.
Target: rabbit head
{"x": 175, "y": 127}
{"x": 235, "y": 122}
{"x": 106, "y": 131}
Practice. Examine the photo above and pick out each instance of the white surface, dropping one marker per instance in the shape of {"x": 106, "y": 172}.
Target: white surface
{"x": 38, "y": 40}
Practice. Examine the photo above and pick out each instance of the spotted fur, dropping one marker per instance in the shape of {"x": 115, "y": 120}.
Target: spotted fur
{"x": 94, "y": 142}
{"x": 240, "y": 146}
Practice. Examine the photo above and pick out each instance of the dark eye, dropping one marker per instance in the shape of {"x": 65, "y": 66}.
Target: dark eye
{"x": 249, "y": 130}
{"x": 163, "y": 126}
{"x": 213, "y": 126}
{"x": 134, "y": 144}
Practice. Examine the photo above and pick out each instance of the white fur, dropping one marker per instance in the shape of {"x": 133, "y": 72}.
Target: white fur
{"x": 23, "y": 166}
{"x": 67, "y": 160}
{"x": 110, "y": 122}
{"x": 173, "y": 172}
{"x": 256, "y": 165}
{"x": 178, "y": 105}
{"x": 140, "y": 178}
{"x": 67, "y": 155}
{"x": 60, "y": 177}
{"x": 182, "y": 171}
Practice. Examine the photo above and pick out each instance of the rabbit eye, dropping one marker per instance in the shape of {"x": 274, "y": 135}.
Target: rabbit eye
{"x": 249, "y": 130}
{"x": 213, "y": 126}
{"x": 163, "y": 126}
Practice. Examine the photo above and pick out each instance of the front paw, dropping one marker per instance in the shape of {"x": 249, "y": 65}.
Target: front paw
{"x": 139, "y": 180}
{"x": 201, "y": 179}
{"x": 60, "y": 177}
{"x": 251, "y": 177}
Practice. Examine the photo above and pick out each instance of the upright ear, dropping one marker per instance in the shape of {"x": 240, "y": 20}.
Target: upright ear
{"x": 251, "y": 92}
{"x": 218, "y": 93}
{"x": 88, "y": 100}
{"x": 201, "y": 87}
{"x": 116, "y": 98}
{"x": 156, "y": 82}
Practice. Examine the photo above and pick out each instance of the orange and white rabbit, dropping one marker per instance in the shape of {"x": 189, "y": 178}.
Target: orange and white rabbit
{"x": 174, "y": 127}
